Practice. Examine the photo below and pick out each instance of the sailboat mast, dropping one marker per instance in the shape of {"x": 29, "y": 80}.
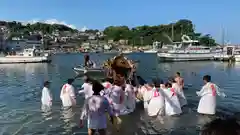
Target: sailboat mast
{"x": 223, "y": 36}
{"x": 172, "y": 32}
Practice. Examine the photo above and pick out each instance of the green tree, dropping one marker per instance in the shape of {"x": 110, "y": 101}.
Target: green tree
{"x": 146, "y": 35}
{"x": 207, "y": 40}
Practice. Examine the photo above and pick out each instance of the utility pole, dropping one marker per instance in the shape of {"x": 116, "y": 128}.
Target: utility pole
{"x": 141, "y": 40}
{"x": 172, "y": 32}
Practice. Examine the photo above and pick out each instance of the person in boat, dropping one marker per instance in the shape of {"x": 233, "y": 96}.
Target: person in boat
{"x": 94, "y": 111}
{"x": 172, "y": 105}
{"x": 179, "y": 80}
{"x": 86, "y": 87}
{"x": 89, "y": 63}
{"x": 67, "y": 95}
{"x": 229, "y": 126}
{"x": 208, "y": 93}
{"x": 156, "y": 103}
{"x": 46, "y": 98}
{"x": 179, "y": 91}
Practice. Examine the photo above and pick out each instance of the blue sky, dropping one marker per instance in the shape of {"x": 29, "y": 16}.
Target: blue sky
{"x": 209, "y": 16}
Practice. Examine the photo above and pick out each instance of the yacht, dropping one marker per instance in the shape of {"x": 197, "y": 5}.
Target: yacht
{"x": 186, "y": 50}
{"x": 29, "y": 55}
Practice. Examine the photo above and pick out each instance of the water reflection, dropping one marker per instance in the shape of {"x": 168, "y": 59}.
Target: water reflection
{"x": 21, "y": 84}
{"x": 46, "y": 112}
{"x": 68, "y": 114}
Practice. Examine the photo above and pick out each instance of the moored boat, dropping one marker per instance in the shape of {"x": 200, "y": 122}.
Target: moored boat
{"x": 30, "y": 55}
{"x": 187, "y": 50}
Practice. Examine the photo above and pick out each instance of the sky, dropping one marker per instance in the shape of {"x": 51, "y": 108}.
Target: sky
{"x": 209, "y": 16}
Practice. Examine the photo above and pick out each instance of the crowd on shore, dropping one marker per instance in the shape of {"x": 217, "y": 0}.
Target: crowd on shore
{"x": 107, "y": 101}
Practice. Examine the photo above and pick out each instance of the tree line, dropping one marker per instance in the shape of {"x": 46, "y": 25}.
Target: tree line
{"x": 140, "y": 35}
{"x": 146, "y": 35}
{"x": 18, "y": 29}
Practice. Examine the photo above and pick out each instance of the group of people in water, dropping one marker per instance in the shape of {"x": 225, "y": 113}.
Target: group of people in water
{"x": 106, "y": 101}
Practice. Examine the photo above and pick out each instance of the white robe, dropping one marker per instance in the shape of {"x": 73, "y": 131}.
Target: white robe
{"x": 87, "y": 90}
{"x": 68, "y": 95}
{"x": 46, "y": 98}
{"x": 147, "y": 94}
{"x": 130, "y": 101}
{"x": 172, "y": 105}
{"x": 156, "y": 104}
{"x": 116, "y": 99}
{"x": 107, "y": 86}
{"x": 207, "y": 103}
{"x": 180, "y": 94}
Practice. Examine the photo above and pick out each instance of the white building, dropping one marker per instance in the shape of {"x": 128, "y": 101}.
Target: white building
{"x": 20, "y": 44}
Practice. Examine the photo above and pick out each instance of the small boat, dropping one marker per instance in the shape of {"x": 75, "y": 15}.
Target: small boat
{"x": 91, "y": 71}
{"x": 126, "y": 51}
{"x": 150, "y": 51}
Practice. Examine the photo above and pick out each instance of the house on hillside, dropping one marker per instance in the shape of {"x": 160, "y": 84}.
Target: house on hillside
{"x": 20, "y": 44}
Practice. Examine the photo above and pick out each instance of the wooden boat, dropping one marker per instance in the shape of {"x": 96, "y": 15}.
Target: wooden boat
{"x": 91, "y": 71}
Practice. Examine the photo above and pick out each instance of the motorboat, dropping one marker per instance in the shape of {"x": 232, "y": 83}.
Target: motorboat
{"x": 28, "y": 55}
{"x": 80, "y": 70}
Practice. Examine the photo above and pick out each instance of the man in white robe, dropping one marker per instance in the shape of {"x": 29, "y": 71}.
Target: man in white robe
{"x": 107, "y": 84}
{"x": 172, "y": 105}
{"x": 179, "y": 91}
{"x": 86, "y": 87}
{"x": 68, "y": 94}
{"x": 208, "y": 93}
{"x": 146, "y": 91}
{"x": 156, "y": 103}
{"x": 46, "y": 98}
{"x": 130, "y": 99}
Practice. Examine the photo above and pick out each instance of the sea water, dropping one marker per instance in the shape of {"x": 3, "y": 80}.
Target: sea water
{"x": 21, "y": 85}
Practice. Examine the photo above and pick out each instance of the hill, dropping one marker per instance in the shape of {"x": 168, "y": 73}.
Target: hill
{"x": 145, "y": 35}
{"x": 140, "y": 35}
{"x": 20, "y": 29}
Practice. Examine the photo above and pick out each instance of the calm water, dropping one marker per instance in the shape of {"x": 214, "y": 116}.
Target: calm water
{"x": 21, "y": 84}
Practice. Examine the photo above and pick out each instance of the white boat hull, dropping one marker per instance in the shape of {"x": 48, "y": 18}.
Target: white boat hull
{"x": 223, "y": 57}
{"x": 127, "y": 52}
{"x": 184, "y": 57}
{"x": 97, "y": 71}
{"x": 23, "y": 59}
{"x": 150, "y": 51}
{"x": 237, "y": 58}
